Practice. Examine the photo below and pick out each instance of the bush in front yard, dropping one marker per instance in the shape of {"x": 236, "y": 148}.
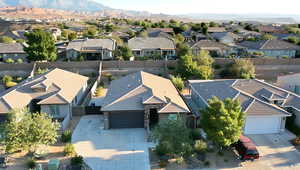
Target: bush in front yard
{"x": 296, "y": 141}
{"x": 69, "y": 150}
{"x": 66, "y": 136}
{"x": 31, "y": 163}
{"x": 77, "y": 160}
{"x": 178, "y": 82}
{"x": 196, "y": 134}
{"x": 200, "y": 146}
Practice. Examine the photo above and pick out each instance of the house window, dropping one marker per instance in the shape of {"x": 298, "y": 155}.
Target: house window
{"x": 54, "y": 110}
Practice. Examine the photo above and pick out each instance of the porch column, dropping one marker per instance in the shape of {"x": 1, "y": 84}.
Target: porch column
{"x": 106, "y": 121}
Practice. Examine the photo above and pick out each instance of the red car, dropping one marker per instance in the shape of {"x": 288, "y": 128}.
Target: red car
{"x": 246, "y": 149}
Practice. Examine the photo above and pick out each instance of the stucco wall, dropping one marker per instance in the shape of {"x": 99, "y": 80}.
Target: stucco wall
{"x": 64, "y": 110}
{"x": 289, "y": 82}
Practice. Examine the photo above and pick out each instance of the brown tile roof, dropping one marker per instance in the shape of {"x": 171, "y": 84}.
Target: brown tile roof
{"x": 269, "y": 45}
{"x": 210, "y": 45}
{"x": 53, "y": 87}
{"x": 134, "y": 90}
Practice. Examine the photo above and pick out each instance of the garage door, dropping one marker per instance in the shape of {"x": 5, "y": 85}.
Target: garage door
{"x": 126, "y": 119}
{"x": 262, "y": 125}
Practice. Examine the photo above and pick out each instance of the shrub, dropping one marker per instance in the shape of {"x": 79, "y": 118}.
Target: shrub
{"x": 19, "y": 61}
{"x": 80, "y": 58}
{"x": 220, "y": 153}
{"x": 19, "y": 79}
{"x": 31, "y": 163}
{"x": 69, "y": 150}
{"x": 180, "y": 160}
{"x": 285, "y": 57}
{"x": 178, "y": 82}
{"x": 296, "y": 141}
{"x": 99, "y": 91}
{"x": 6, "y": 79}
{"x": 162, "y": 149}
{"x": 163, "y": 163}
{"x": 217, "y": 66}
{"x": 10, "y": 84}
{"x": 206, "y": 163}
{"x": 200, "y": 146}
{"x": 77, "y": 160}
{"x": 9, "y": 61}
{"x": 196, "y": 134}
{"x": 66, "y": 136}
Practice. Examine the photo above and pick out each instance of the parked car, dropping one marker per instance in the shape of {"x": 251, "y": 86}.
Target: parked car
{"x": 246, "y": 149}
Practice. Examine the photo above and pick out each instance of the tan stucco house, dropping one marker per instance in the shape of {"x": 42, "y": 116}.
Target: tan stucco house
{"x": 141, "y": 100}
{"x": 54, "y": 92}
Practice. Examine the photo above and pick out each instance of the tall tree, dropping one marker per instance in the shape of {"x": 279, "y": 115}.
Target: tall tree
{"x": 240, "y": 68}
{"x": 223, "y": 121}
{"x": 26, "y": 131}
{"x": 41, "y": 46}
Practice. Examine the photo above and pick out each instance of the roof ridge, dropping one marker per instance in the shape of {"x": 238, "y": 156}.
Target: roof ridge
{"x": 257, "y": 99}
{"x": 169, "y": 103}
{"x": 118, "y": 99}
{"x": 265, "y": 43}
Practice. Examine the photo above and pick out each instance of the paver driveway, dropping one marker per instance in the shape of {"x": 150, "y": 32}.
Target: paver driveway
{"x": 121, "y": 149}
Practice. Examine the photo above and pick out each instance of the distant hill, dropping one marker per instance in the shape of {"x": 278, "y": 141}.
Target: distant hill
{"x": 70, "y": 5}
{"x": 262, "y": 18}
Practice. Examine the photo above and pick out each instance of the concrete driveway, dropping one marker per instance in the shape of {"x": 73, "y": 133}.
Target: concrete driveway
{"x": 122, "y": 149}
{"x": 276, "y": 152}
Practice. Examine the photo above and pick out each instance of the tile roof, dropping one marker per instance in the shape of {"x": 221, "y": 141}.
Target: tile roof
{"x": 151, "y": 43}
{"x": 6, "y": 48}
{"x": 216, "y": 29}
{"x": 53, "y": 87}
{"x": 93, "y": 44}
{"x": 269, "y": 45}
{"x": 133, "y": 91}
{"x": 254, "y": 95}
{"x": 221, "y": 35}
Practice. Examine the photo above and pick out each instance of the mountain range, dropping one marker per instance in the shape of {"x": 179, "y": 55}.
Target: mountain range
{"x": 71, "y": 5}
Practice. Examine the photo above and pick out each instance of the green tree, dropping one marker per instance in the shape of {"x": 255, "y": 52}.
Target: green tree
{"x": 173, "y": 137}
{"x": 6, "y": 39}
{"x": 41, "y": 46}
{"x": 178, "y": 82}
{"x": 124, "y": 52}
{"x": 213, "y": 24}
{"x": 179, "y": 38}
{"x": 72, "y": 36}
{"x": 204, "y": 58}
{"x": 186, "y": 66}
{"x": 293, "y": 39}
{"x": 204, "y": 30}
{"x": 204, "y": 61}
{"x": 26, "y": 131}
{"x": 91, "y": 32}
{"x": 268, "y": 37}
{"x": 223, "y": 121}
{"x": 242, "y": 68}
{"x": 183, "y": 49}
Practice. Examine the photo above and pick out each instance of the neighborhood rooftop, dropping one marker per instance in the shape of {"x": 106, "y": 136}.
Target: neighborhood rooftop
{"x": 133, "y": 91}
{"x": 86, "y": 44}
{"x": 53, "y": 87}
{"x": 151, "y": 43}
{"x": 254, "y": 95}
{"x": 11, "y": 48}
{"x": 269, "y": 45}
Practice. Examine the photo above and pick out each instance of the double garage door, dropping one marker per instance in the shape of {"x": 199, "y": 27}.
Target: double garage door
{"x": 262, "y": 125}
{"x": 126, "y": 119}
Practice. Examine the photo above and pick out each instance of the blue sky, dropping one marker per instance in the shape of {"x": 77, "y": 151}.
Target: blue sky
{"x": 207, "y": 6}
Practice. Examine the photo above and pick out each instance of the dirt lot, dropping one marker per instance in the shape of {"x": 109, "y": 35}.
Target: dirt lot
{"x": 17, "y": 161}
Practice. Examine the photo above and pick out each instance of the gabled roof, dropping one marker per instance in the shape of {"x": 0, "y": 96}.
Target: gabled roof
{"x": 94, "y": 44}
{"x": 53, "y": 87}
{"x": 222, "y": 35}
{"x": 254, "y": 95}
{"x": 13, "y": 48}
{"x": 210, "y": 45}
{"x": 139, "y": 43}
{"x": 135, "y": 90}
{"x": 216, "y": 29}
{"x": 269, "y": 45}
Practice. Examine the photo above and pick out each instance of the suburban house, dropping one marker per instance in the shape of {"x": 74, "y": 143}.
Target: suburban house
{"x": 216, "y": 49}
{"x": 266, "y": 106}
{"x": 216, "y": 29}
{"x": 193, "y": 36}
{"x": 289, "y": 82}
{"x": 226, "y": 37}
{"x": 141, "y": 100}
{"x": 161, "y": 32}
{"x": 54, "y": 92}
{"x": 271, "y": 48}
{"x": 13, "y": 51}
{"x": 91, "y": 49}
{"x": 152, "y": 47}
{"x": 269, "y": 29}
